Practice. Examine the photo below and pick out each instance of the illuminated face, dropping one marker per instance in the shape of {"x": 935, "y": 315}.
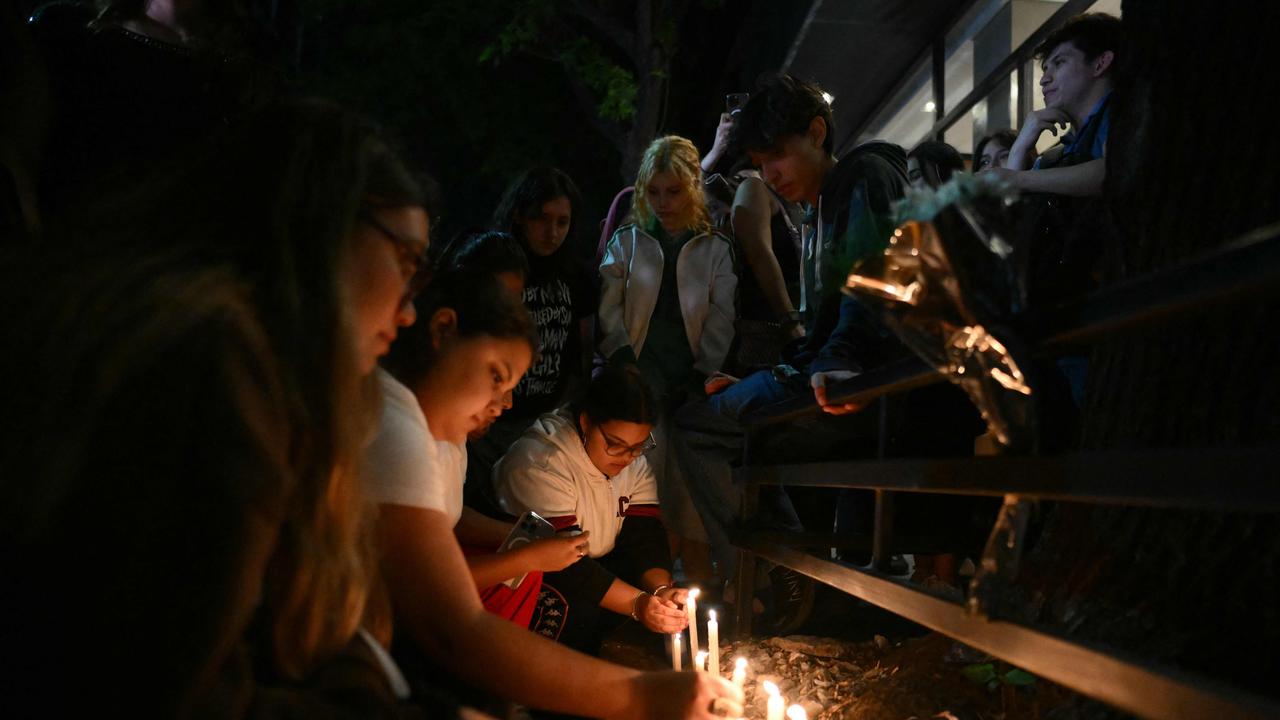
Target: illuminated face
{"x": 797, "y": 167}
{"x": 470, "y": 383}
{"x": 1069, "y": 79}
{"x": 993, "y": 155}
{"x": 670, "y": 200}
{"x": 383, "y": 258}
{"x": 546, "y": 228}
{"x": 614, "y": 444}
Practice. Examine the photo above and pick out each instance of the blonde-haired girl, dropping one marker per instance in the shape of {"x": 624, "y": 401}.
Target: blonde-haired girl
{"x": 667, "y": 305}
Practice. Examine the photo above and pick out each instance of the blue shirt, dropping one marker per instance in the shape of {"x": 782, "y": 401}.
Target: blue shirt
{"x": 1096, "y": 126}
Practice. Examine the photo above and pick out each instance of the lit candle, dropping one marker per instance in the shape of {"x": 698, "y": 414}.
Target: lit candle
{"x": 740, "y": 672}
{"x": 691, "y": 607}
{"x": 700, "y": 660}
{"x": 713, "y": 644}
{"x": 676, "y": 649}
{"x": 795, "y": 712}
{"x": 776, "y": 703}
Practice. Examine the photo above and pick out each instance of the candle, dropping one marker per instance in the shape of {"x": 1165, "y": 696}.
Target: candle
{"x": 676, "y": 649}
{"x": 691, "y": 607}
{"x": 740, "y": 672}
{"x": 776, "y": 703}
{"x": 795, "y": 712}
{"x": 713, "y": 644}
{"x": 700, "y": 660}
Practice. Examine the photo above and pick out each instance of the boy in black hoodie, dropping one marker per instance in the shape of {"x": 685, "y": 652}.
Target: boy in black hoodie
{"x": 787, "y": 131}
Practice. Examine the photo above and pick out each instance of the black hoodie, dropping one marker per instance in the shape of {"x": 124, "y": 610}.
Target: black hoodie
{"x": 854, "y": 217}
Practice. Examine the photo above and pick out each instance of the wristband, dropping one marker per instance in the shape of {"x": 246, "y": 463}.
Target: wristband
{"x": 634, "y": 603}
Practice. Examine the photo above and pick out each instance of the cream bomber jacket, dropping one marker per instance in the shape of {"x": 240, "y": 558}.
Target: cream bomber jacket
{"x": 630, "y": 277}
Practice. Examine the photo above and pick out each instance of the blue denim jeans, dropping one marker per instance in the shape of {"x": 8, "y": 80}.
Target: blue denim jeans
{"x": 708, "y": 440}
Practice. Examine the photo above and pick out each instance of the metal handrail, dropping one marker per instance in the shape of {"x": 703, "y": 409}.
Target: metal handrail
{"x": 1169, "y": 478}
{"x": 1249, "y": 266}
{"x": 1124, "y": 682}
{"x": 1164, "y": 478}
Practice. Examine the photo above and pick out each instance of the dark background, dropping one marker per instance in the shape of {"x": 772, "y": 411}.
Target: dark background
{"x": 475, "y": 124}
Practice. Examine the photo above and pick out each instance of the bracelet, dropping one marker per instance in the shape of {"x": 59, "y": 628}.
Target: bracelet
{"x": 634, "y": 603}
{"x": 654, "y": 592}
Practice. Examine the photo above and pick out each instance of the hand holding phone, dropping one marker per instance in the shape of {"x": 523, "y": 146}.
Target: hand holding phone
{"x": 557, "y": 553}
{"x": 529, "y": 527}
{"x": 734, "y": 102}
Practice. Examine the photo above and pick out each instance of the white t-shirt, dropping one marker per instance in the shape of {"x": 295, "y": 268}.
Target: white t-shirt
{"x": 405, "y": 464}
{"x": 547, "y": 471}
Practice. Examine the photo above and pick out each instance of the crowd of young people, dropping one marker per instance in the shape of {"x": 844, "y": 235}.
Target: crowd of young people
{"x": 261, "y": 456}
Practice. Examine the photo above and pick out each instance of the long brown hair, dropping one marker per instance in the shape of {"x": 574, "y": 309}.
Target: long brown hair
{"x": 279, "y": 199}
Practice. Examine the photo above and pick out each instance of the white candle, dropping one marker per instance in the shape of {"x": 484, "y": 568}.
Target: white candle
{"x": 676, "y": 649}
{"x": 700, "y": 660}
{"x": 740, "y": 672}
{"x": 691, "y": 606}
{"x": 795, "y": 712}
{"x": 713, "y": 644}
{"x": 776, "y": 703}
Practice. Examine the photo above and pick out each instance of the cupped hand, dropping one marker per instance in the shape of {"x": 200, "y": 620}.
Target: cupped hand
{"x": 717, "y": 382}
{"x": 723, "y": 131}
{"x": 557, "y": 553}
{"x": 819, "y": 381}
{"x": 675, "y": 595}
{"x": 683, "y": 696}
{"x": 661, "y": 615}
{"x": 1049, "y": 119}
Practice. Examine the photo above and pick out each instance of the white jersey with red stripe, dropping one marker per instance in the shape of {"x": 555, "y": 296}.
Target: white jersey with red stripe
{"x": 547, "y": 471}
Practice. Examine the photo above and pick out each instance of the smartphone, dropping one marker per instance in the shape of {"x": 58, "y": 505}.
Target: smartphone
{"x": 734, "y": 102}
{"x": 529, "y": 527}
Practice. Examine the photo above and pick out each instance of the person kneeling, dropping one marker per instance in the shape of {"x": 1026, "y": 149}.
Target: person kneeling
{"x": 582, "y": 468}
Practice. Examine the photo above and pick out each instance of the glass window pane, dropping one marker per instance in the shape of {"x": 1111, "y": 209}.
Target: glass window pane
{"x": 960, "y": 135}
{"x": 959, "y": 75}
{"x": 914, "y": 115}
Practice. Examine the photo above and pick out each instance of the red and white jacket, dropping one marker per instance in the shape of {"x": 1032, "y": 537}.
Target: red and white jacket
{"x": 547, "y": 471}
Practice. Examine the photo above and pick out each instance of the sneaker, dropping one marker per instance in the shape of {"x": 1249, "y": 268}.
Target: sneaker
{"x": 792, "y": 601}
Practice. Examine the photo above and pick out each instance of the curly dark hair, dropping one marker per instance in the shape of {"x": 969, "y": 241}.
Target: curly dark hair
{"x": 938, "y": 161}
{"x": 1092, "y": 33}
{"x": 1004, "y": 138}
{"x": 782, "y": 106}
{"x": 484, "y": 307}
{"x": 619, "y": 392}
{"x": 491, "y": 251}
{"x": 526, "y": 195}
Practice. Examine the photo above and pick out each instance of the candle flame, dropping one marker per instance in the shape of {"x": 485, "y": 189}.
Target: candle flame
{"x": 712, "y": 613}
{"x": 740, "y": 663}
{"x": 679, "y": 635}
{"x": 694, "y": 593}
{"x": 795, "y": 712}
{"x": 770, "y": 688}
{"x": 700, "y": 660}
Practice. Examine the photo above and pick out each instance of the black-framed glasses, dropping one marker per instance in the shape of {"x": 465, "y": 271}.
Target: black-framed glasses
{"x": 615, "y": 448}
{"x": 413, "y": 262}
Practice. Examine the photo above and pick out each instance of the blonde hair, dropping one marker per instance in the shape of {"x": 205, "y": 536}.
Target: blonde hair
{"x": 679, "y": 157}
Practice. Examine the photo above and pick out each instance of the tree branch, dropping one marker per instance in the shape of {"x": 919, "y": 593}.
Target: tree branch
{"x": 624, "y": 39}
{"x": 611, "y": 131}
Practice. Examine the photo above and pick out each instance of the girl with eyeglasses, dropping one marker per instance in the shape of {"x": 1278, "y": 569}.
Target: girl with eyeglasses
{"x": 446, "y": 376}
{"x": 584, "y": 469}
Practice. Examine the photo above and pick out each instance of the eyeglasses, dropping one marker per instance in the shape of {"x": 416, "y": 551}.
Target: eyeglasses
{"x": 614, "y": 447}
{"x": 413, "y": 262}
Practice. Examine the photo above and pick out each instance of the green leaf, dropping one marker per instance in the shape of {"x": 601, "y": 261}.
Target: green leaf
{"x": 1018, "y": 677}
{"x": 980, "y": 673}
